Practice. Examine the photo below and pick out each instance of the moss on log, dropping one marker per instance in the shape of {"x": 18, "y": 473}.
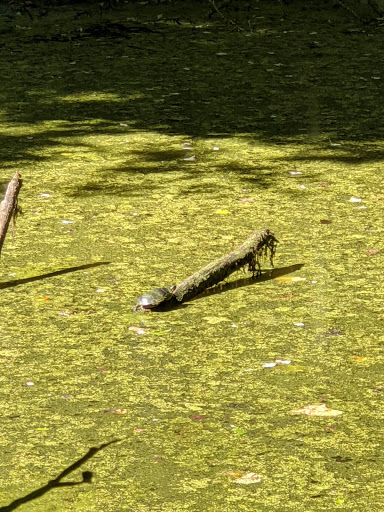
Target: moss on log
{"x": 250, "y": 253}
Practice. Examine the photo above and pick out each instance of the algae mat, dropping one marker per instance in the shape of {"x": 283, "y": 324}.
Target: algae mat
{"x": 151, "y": 140}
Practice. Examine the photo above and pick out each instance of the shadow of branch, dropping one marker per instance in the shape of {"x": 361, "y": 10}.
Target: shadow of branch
{"x": 56, "y": 482}
{"x": 16, "y": 282}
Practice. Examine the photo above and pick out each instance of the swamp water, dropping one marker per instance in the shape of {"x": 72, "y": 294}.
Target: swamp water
{"x": 145, "y": 156}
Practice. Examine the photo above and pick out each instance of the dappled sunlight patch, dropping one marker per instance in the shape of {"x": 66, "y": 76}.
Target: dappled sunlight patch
{"x": 244, "y": 478}
{"x": 99, "y": 96}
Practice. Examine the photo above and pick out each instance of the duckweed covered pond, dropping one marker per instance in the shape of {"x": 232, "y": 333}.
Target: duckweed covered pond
{"x": 146, "y": 152}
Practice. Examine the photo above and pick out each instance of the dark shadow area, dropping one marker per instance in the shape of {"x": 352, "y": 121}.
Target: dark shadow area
{"x": 267, "y": 275}
{"x": 295, "y": 74}
{"x": 17, "y": 282}
{"x": 56, "y": 482}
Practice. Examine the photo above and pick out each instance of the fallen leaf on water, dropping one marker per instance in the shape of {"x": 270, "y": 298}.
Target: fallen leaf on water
{"x": 372, "y": 251}
{"x": 249, "y": 478}
{"x": 359, "y": 359}
{"x": 269, "y": 365}
{"x": 235, "y": 474}
{"x": 136, "y": 329}
{"x": 67, "y": 312}
{"x": 278, "y": 362}
{"x": 115, "y": 411}
{"x": 283, "y": 296}
{"x": 317, "y": 410}
{"x": 333, "y": 332}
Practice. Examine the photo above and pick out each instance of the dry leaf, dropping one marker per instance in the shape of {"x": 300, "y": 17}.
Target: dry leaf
{"x": 359, "y": 359}
{"x": 235, "y": 474}
{"x": 334, "y": 332}
{"x": 136, "y": 329}
{"x": 249, "y": 478}
{"x": 115, "y": 411}
{"x": 317, "y": 410}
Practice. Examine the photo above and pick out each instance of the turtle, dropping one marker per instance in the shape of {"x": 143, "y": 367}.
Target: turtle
{"x": 154, "y": 298}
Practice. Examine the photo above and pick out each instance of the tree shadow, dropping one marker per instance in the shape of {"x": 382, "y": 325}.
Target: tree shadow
{"x": 17, "y": 282}
{"x": 56, "y": 482}
{"x": 284, "y": 79}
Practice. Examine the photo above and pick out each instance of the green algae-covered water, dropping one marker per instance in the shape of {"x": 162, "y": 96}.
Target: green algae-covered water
{"x": 152, "y": 140}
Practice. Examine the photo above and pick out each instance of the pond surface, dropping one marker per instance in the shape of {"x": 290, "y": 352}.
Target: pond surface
{"x": 145, "y": 154}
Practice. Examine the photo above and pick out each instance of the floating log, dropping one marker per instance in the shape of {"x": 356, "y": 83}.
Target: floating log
{"x": 8, "y": 206}
{"x": 250, "y": 253}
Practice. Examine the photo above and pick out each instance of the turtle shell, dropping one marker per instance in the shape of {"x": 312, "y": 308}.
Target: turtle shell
{"x": 154, "y": 298}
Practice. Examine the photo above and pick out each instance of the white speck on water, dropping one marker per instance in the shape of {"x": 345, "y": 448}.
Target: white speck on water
{"x": 268, "y": 365}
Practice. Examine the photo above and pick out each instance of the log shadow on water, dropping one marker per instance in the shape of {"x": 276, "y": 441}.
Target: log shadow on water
{"x": 266, "y": 275}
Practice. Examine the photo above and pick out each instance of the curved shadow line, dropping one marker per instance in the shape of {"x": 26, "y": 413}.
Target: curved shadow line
{"x": 16, "y": 282}
{"x": 87, "y": 479}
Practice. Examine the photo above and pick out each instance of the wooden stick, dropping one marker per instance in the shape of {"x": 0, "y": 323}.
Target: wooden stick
{"x": 8, "y": 206}
{"x": 249, "y": 253}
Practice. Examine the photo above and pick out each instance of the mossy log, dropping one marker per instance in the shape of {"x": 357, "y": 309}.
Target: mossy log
{"x": 8, "y": 206}
{"x": 249, "y": 254}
